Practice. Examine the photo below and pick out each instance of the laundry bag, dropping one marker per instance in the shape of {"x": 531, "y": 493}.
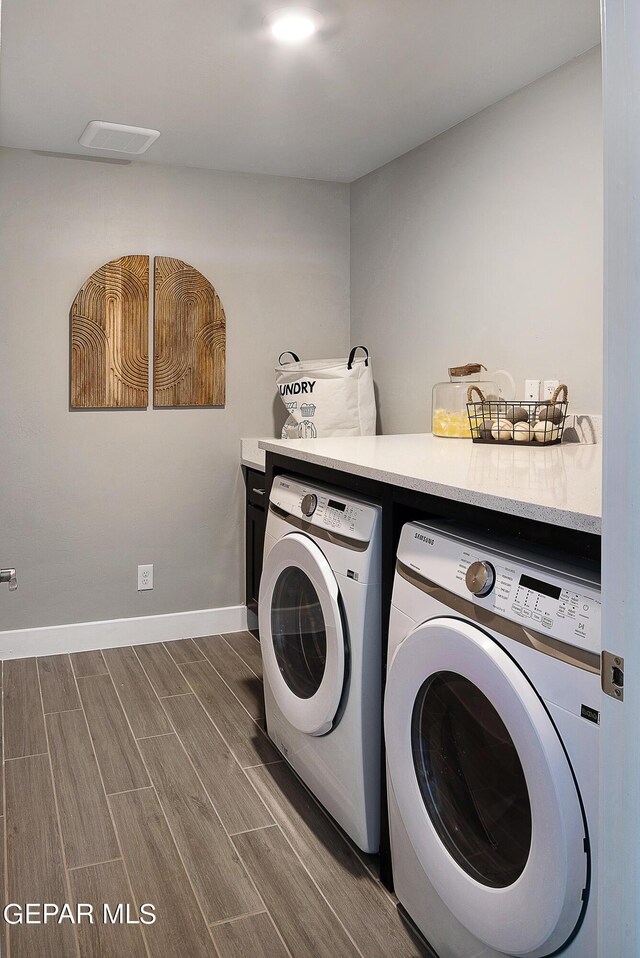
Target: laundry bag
{"x": 327, "y": 397}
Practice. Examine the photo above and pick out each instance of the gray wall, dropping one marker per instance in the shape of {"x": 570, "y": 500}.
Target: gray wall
{"x": 485, "y": 245}
{"x": 86, "y": 496}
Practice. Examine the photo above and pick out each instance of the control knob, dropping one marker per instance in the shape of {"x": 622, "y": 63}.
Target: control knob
{"x": 309, "y": 503}
{"x": 480, "y": 578}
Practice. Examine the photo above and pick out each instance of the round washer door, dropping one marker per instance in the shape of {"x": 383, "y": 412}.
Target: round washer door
{"x": 484, "y": 789}
{"x": 302, "y": 636}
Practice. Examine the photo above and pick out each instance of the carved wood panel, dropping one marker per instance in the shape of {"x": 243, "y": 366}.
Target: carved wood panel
{"x": 189, "y": 337}
{"x": 110, "y": 337}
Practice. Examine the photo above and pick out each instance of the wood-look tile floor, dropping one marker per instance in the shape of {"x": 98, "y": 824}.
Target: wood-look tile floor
{"x": 143, "y": 775}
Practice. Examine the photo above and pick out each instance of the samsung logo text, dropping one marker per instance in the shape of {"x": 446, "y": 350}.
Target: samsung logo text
{"x": 418, "y": 535}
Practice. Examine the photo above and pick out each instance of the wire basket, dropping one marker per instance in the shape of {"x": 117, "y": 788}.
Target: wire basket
{"x": 517, "y": 423}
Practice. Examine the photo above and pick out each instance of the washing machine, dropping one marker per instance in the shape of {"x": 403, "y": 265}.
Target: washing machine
{"x": 319, "y": 620}
{"x": 491, "y": 721}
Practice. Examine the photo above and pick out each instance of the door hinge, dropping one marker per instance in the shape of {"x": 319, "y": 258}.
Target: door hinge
{"x": 612, "y": 675}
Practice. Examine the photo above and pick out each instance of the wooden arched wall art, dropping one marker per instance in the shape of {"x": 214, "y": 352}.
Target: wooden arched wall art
{"x": 110, "y": 334}
{"x": 110, "y": 337}
{"x": 189, "y": 332}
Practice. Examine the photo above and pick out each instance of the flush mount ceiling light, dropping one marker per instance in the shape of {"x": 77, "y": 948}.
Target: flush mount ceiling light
{"x": 293, "y": 24}
{"x": 117, "y": 138}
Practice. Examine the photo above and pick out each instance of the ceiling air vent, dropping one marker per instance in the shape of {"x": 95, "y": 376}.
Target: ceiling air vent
{"x": 117, "y": 138}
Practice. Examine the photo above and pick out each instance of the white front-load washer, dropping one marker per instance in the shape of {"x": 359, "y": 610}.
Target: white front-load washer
{"x": 491, "y": 716}
{"x": 319, "y": 620}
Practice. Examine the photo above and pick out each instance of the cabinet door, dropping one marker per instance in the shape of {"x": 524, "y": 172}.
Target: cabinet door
{"x": 255, "y": 528}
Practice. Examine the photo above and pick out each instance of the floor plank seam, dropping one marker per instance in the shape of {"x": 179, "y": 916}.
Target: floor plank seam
{"x": 241, "y": 657}
{"x": 206, "y": 791}
{"x": 59, "y": 711}
{"x": 332, "y": 823}
{"x": 143, "y": 788}
{"x": 177, "y": 695}
{"x": 255, "y": 722}
{"x": 229, "y": 749}
{"x": 166, "y": 646}
{"x": 143, "y": 738}
{"x": 343, "y": 838}
{"x": 87, "y": 675}
{"x": 63, "y": 850}
{"x": 320, "y": 892}
{"x": 230, "y": 921}
{"x": 276, "y": 761}
{"x": 113, "y": 821}
{"x": 108, "y": 861}
{"x": 161, "y": 806}
{"x": 196, "y": 897}
{"x": 146, "y": 674}
{"x": 206, "y": 712}
{"x": 19, "y": 758}
{"x": 246, "y": 831}
{"x": 222, "y": 678}
{"x": 115, "y": 685}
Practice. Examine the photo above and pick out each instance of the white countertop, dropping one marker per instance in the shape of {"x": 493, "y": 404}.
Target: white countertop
{"x": 560, "y": 484}
{"x": 251, "y": 455}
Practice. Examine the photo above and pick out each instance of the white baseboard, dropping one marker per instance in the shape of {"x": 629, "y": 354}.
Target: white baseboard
{"x": 83, "y": 636}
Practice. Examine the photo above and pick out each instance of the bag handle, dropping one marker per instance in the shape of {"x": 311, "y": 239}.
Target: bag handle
{"x": 353, "y": 353}
{"x": 288, "y": 352}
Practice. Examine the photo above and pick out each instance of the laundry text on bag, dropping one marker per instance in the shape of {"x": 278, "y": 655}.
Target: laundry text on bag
{"x": 292, "y": 389}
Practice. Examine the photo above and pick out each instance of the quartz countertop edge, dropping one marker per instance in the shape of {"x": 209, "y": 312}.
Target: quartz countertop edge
{"x": 251, "y": 455}
{"x": 558, "y": 485}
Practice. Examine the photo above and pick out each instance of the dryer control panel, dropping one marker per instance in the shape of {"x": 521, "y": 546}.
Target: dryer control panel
{"x": 543, "y": 597}
{"x": 325, "y": 509}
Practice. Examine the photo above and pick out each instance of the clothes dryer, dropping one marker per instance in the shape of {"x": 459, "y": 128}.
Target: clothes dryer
{"x": 491, "y": 716}
{"x": 319, "y": 620}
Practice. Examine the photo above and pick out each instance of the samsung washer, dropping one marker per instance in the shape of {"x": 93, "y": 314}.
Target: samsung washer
{"x": 491, "y": 716}
{"x": 319, "y": 619}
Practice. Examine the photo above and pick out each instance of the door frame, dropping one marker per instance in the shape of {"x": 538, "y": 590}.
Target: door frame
{"x": 619, "y": 842}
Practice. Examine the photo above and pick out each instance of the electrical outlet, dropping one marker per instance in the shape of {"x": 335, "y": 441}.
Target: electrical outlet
{"x": 145, "y": 577}
{"x": 549, "y": 386}
{"x": 532, "y": 390}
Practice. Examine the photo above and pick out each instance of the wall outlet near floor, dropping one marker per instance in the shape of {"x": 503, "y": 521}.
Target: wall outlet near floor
{"x": 145, "y": 577}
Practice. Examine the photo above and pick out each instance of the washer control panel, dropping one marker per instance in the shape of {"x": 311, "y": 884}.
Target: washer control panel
{"x": 544, "y": 599}
{"x": 327, "y": 510}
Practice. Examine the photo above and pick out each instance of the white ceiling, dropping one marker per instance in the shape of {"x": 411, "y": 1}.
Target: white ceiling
{"x": 384, "y": 76}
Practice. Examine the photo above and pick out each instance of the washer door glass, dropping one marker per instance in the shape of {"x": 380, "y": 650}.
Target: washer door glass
{"x": 298, "y": 631}
{"x": 302, "y": 634}
{"x": 471, "y": 779}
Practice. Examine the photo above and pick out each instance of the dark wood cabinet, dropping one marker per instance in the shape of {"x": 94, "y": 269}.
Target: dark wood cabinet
{"x": 255, "y": 522}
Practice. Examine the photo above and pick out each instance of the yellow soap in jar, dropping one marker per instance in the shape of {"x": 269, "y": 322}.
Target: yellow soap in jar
{"x": 454, "y": 425}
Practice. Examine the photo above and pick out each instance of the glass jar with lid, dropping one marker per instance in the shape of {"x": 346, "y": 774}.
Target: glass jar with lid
{"x": 449, "y": 406}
